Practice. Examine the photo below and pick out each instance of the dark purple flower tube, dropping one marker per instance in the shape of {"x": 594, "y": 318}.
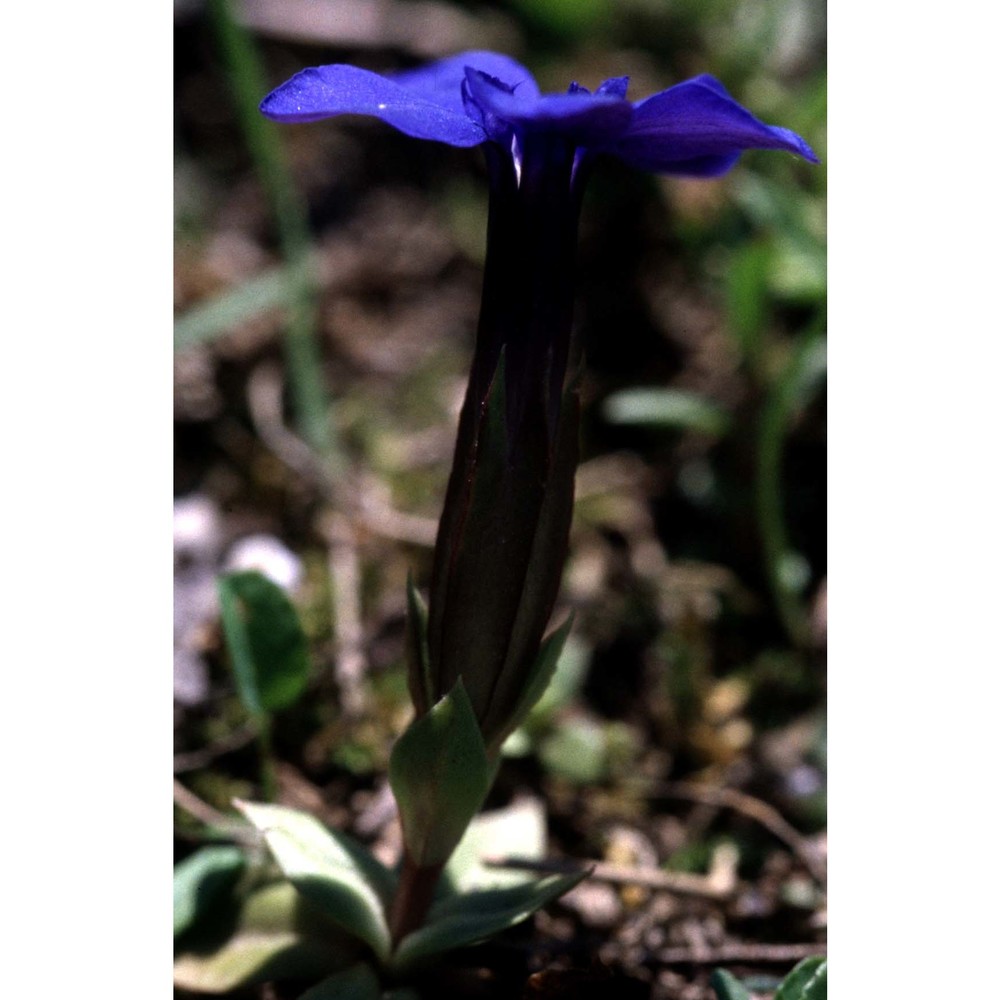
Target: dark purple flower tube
{"x": 505, "y": 526}
{"x": 504, "y": 530}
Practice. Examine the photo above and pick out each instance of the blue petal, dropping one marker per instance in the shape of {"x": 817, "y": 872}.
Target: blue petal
{"x": 700, "y": 166}
{"x": 617, "y": 86}
{"x": 582, "y": 117}
{"x": 696, "y": 128}
{"x": 441, "y": 82}
{"x": 325, "y": 91}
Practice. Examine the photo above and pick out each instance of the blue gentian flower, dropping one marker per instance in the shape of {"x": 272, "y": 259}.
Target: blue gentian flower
{"x": 504, "y": 530}
{"x": 694, "y": 128}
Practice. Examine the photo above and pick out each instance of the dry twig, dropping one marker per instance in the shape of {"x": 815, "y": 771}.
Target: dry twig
{"x": 185, "y": 799}
{"x": 345, "y": 576}
{"x": 265, "y": 395}
{"x": 750, "y": 953}
{"x": 719, "y": 883}
{"x": 756, "y": 809}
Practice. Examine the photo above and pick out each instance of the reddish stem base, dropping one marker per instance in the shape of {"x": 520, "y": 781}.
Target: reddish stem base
{"x": 413, "y": 898}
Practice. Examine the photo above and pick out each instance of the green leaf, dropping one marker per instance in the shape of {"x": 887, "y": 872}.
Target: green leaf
{"x": 567, "y": 18}
{"x": 229, "y": 310}
{"x": 333, "y": 872}
{"x": 356, "y": 983}
{"x": 666, "y": 408}
{"x": 517, "y": 831}
{"x": 202, "y": 878}
{"x": 565, "y": 685}
{"x": 798, "y": 382}
{"x": 747, "y": 300}
{"x": 418, "y": 657}
{"x": 805, "y": 374}
{"x": 807, "y": 981}
{"x": 468, "y": 918}
{"x": 268, "y": 647}
{"x": 798, "y": 272}
{"x": 537, "y": 679}
{"x": 273, "y": 934}
{"x": 577, "y": 751}
{"x": 440, "y": 775}
{"x": 727, "y": 986}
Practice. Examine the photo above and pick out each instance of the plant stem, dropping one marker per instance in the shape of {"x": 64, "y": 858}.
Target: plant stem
{"x": 795, "y": 386}
{"x": 413, "y": 897}
{"x": 268, "y": 779}
{"x": 302, "y": 352}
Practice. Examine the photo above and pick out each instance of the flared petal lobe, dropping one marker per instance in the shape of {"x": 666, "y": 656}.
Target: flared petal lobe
{"x": 326, "y": 91}
{"x": 617, "y": 86}
{"x": 697, "y": 129}
{"x": 441, "y": 81}
{"x": 579, "y": 116}
{"x": 694, "y": 128}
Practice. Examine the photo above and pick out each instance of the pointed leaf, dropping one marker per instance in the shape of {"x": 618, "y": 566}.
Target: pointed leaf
{"x": 807, "y": 981}
{"x": 537, "y": 679}
{"x": 418, "y": 659}
{"x": 727, "y": 986}
{"x": 333, "y": 872}
{"x": 474, "y": 916}
{"x": 440, "y": 775}
{"x": 274, "y": 934}
{"x": 667, "y": 408}
{"x": 564, "y": 686}
{"x": 268, "y": 647}
{"x": 359, "y": 982}
{"x": 202, "y": 878}
{"x": 571, "y": 671}
{"x": 227, "y": 311}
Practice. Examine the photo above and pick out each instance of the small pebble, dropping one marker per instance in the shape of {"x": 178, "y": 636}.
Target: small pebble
{"x": 197, "y": 530}
{"x": 269, "y": 556}
{"x": 596, "y": 902}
